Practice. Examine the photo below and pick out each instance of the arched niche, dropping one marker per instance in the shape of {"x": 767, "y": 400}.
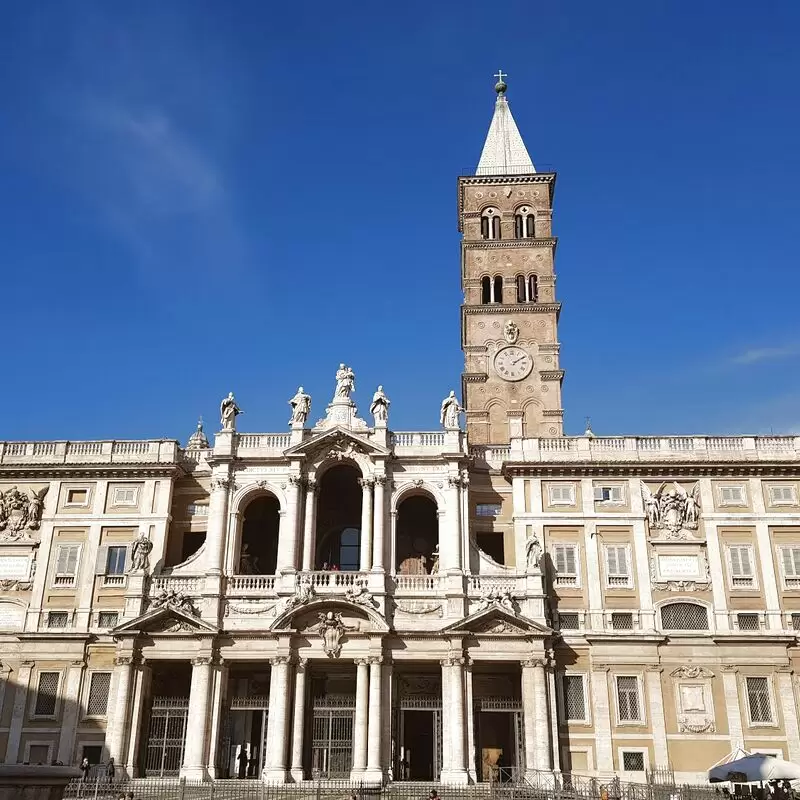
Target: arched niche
{"x": 417, "y": 534}
{"x": 339, "y": 501}
{"x": 258, "y": 543}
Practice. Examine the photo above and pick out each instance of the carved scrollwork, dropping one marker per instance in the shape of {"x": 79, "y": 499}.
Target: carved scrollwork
{"x": 221, "y": 482}
{"x": 170, "y": 598}
{"x": 674, "y": 511}
{"x": 705, "y": 726}
{"x": 20, "y": 513}
{"x": 692, "y": 672}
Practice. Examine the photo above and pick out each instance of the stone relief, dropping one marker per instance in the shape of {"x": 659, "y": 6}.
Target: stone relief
{"x": 449, "y": 412}
{"x": 140, "y": 554}
{"x": 692, "y": 672}
{"x": 14, "y": 585}
{"x": 533, "y": 552}
{"x": 419, "y": 607}
{"x": 304, "y": 592}
{"x": 332, "y": 629}
{"x": 511, "y": 332}
{"x": 496, "y": 626}
{"x": 245, "y": 607}
{"x": 228, "y": 411}
{"x": 379, "y": 408}
{"x": 170, "y": 598}
{"x": 496, "y": 597}
{"x": 20, "y": 512}
{"x": 688, "y": 584}
{"x": 171, "y": 625}
{"x": 359, "y": 594}
{"x": 675, "y": 511}
{"x": 686, "y": 726}
{"x": 301, "y": 407}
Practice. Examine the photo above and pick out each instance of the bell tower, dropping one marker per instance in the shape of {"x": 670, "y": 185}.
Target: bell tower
{"x": 511, "y": 384}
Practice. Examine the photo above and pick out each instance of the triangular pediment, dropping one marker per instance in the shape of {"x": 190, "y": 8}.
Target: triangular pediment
{"x": 498, "y": 620}
{"x": 165, "y": 619}
{"x": 339, "y": 443}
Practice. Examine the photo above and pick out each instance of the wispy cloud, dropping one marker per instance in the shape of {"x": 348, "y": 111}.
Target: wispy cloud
{"x": 756, "y": 355}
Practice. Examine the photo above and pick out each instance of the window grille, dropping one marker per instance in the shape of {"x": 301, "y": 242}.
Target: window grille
{"x": 628, "y": 698}
{"x": 99, "y": 685}
{"x": 790, "y": 558}
{"x": 568, "y": 621}
{"x": 622, "y": 621}
{"x": 617, "y": 569}
{"x": 107, "y": 619}
{"x": 632, "y": 761}
{"x": 574, "y": 698}
{"x": 741, "y": 561}
{"x": 684, "y": 617}
{"x": 796, "y": 622}
{"x": 758, "y": 699}
{"x": 565, "y": 560}
{"x": 748, "y": 622}
{"x": 57, "y": 619}
{"x": 46, "y": 694}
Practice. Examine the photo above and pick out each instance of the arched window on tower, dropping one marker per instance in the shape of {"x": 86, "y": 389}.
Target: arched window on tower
{"x": 490, "y": 224}
{"x": 524, "y": 227}
{"x": 486, "y": 289}
{"x": 497, "y": 294}
{"x": 527, "y": 289}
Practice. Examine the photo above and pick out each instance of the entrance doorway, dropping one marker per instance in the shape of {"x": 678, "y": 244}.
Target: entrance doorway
{"x": 247, "y": 741}
{"x": 418, "y": 745}
{"x": 498, "y": 744}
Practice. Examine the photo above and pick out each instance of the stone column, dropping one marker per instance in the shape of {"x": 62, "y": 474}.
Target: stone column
{"x": 194, "y": 754}
{"x": 601, "y": 709}
{"x": 309, "y": 525}
{"x": 529, "y": 715}
{"x": 361, "y": 721}
{"x": 70, "y": 709}
{"x": 555, "y": 742}
{"x": 379, "y": 545}
{"x": 450, "y": 543}
{"x": 541, "y": 717}
{"x": 217, "y": 522}
{"x": 278, "y": 723}
{"x": 447, "y": 722}
{"x": 219, "y": 689}
{"x": 22, "y": 679}
{"x": 119, "y": 708}
{"x": 287, "y": 532}
{"x": 374, "y": 771}
{"x": 141, "y": 680}
{"x": 298, "y": 719}
{"x": 366, "y": 522}
{"x": 457, "y": 768}
{"x": 655, "y": 699}
{"x": 469, "y": 721}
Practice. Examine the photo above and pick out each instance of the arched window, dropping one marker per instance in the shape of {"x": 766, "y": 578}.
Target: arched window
{"x": 533, "y": 288}
{"x": 497, "y": 295}
{"x": 521, "y": 293}
{"x": 486, "y": 289}
{"x": 524, "y": 223}
{"x": 684, "y": 617}
{"x": 490, "y": 224}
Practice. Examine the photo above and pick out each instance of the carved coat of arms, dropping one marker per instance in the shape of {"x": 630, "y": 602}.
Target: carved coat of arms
{"x": 672, "y": 510}
{"x": 20, "y": 512}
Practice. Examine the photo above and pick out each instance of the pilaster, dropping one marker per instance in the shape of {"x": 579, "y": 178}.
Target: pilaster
{"x": 141, "y": 678}
{"x": 379, "y": 543}
{"x": 309, "y": 524}
{"x": 366, "y": 522}
{"x": 288, "y": 527}
{"x": 219, "y": 685}
{"x": 601, "y": 709}
{"x": 529, "y": 716}
{"x": 20, "y": 711}
{"x": 360, "y": 724}
{"x": 788, "y": 703}
{"x": 71, "y": 707}
{"x": 655, "y": 700}
{"x": 298, "y": 720}
{"x": 730, "y": 686}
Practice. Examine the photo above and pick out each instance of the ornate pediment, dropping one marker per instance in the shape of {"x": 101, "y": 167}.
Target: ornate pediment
{"x": 337, "y": 443}
{"x": 497, "y": 619}
{"x": 165, "y": 619}
{"x": 693, "y": 672}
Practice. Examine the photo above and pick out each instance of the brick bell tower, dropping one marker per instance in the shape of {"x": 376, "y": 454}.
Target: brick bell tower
{"x": 511, "y": 384}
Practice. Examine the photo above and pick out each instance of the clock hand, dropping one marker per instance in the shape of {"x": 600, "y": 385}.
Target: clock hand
{"x": 521, "y": 358}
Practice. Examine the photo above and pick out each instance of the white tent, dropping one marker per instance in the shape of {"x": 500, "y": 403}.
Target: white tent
{"x": 754, "y": 768}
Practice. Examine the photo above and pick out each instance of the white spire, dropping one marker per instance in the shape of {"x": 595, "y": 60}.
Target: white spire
{"x": 504, "y": 152}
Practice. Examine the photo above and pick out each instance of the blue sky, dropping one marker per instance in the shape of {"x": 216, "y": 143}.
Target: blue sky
{"x": 201, "y": 197}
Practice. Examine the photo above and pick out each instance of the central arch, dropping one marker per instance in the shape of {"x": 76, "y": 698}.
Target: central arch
{"x": 258, "y": 554}
{"x": 339, "y": 519}
{"x": 417, "y": 537}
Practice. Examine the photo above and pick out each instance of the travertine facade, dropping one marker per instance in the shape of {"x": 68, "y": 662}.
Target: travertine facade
{"x": 344, "y": 600}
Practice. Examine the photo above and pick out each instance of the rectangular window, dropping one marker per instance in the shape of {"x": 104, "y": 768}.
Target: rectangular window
{"x": 633, "y": 761}
{"x": 731, "y": 495}
{"x": 565, "y": 561}
{"x": 782, "y": 494}
{"x": 488, "y": 509}
{"x": 57, "y": 619}
{"x": 39, "y": 754}
{"x": 748, "y": 622}
{"x": 628, "y": 698}
{"x": 618, "y": 572}
{"x": 790, "y": 560}
{"x": 198, "y": 510}
{"x": 107, "y": 619}
{"x": 126, "y": 496}
{"x": 740, "y": 559}
{"x": 66, "y": 564}
{"x": 46, "y": 695}
{"x": 568, "y": 621}
{"x": 491, "y": 543}
{"x": 97, "y": 703}
{"x": 574, "y": 690}
{"x": 77, "y": 497}
{"x": 561, "y": 494}
{"x": 608, "y": 494}
{"x": 115, "y": 561}
{"x": 758, "y": 700}
{"x": 796, "y": 622}
{"x": 622, "y": 621}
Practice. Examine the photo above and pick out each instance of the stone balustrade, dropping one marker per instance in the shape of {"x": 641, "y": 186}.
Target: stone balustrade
{"x": 145, "y": 451}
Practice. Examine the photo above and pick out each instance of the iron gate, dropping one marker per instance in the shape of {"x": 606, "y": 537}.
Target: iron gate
{"x": 332, "y": 742}
{"x": 166, "y": 736}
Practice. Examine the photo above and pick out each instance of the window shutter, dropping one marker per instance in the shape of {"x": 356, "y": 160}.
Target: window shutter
{"x": 570, "y": 559}
{"x": 611, "y": 561}
{"x": 791, "y": 561}
{"x": 67, "y": 559}
{"x": 598, "y": 492}
{"x": 616, "y": 494}
{"x": 560, "y": 558}
{"x": 622, "y": 561}
{"x": 101, "y": 562}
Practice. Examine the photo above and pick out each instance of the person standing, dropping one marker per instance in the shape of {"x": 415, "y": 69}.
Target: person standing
{"x": 85, "y": 767}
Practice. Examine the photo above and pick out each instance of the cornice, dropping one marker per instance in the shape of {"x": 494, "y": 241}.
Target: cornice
{"x": 512, "y": 308}
{"x": 548, "y": 178}
{"x": 89, "y": 471}
{"x": 493, "y": 244}
{"x": 665, "y": 470}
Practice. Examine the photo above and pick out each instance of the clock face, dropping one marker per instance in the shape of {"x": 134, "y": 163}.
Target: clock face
{"x": 513, "y": 364}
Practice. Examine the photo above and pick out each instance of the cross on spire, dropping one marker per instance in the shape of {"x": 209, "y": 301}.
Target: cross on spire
{"x": 500, "y": 75}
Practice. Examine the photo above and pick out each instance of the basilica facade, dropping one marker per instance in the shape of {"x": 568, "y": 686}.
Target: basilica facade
{"x": 484, "y": 600}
